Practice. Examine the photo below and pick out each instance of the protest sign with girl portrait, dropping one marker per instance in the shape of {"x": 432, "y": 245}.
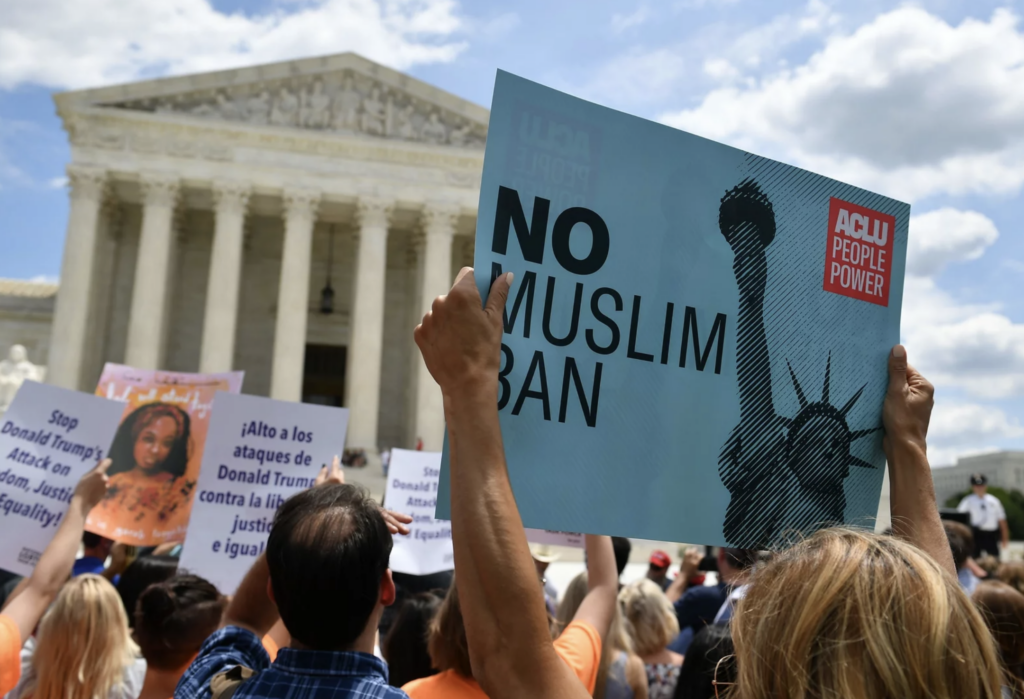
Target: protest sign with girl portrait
{"x": 156, "y": 452}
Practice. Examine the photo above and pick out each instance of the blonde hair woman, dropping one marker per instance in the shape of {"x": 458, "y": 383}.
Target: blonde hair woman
{"x": 84, "y": 649}
{"x": 621, "y": 674}
{"x": 651, "y": 624}
{"x": 859, "y": 616}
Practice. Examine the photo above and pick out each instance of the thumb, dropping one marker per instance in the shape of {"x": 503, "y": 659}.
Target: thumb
{"x": 897, "y": 368}
{"x": 102, "y": 466}
{"x": 499, "y": 294}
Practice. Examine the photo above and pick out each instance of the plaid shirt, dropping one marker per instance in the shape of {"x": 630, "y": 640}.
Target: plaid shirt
{"x": 296, "y": 674}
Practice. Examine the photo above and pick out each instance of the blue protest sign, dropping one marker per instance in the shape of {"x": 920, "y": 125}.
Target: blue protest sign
{"x": 695, "y": 343}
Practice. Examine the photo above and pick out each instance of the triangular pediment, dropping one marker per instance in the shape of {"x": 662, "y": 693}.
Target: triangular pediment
{"x": 344, "y": 93}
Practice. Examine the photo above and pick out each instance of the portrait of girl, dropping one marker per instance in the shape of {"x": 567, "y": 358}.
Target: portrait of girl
{"x": 150, "y": 457}
{"x": 157, "y": 451}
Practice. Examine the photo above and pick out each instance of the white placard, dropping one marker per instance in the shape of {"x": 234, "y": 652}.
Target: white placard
{"x": 553, "y": 538}
{"x": 412, "y": 490}
{"x": 49, "y": 438}
{"x": 259, "y": 452}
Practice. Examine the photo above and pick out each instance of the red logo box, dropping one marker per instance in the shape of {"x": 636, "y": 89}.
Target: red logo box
{"x": 858, "y": 260}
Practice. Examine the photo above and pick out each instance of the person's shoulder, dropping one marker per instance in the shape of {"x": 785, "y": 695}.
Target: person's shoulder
{"x": 703, "y": 592}
{"x": 224, "y": 649}
{"x": 440, "y": 686}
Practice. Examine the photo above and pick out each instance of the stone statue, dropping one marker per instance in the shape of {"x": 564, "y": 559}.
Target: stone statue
{"x": 285, "y": 110}
{"x": 346, "y": 107}
{"x": 316, "y": 109}
{"x": 374, "y": 114}
{"x": 404, "y": 126}
{"x": 227, "y": 108}
{"x": 258, "y": 108}
{"x": 460, "y": 135}
{"x": 14, "y": 371}
{"x": 434, "y": 131}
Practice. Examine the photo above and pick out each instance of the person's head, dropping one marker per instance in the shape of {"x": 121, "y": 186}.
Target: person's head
{"x": 405, "y": 646}
{"x": 1012, "y": 573}
{"x": 83, "y": 642}
{"x": 649, "y": 617}
{"x": 988, "y": 563}
{"x": 621, "y": 547}
{"x": 1003, "y": 610}
{"x": 979, "y": 484}
{"x": 96, "y": 545}
{"x": 328, "y": 556}
{"x": 447, "y": 644}
{"x": 855, "y": 615}
{"x": 711, "y": 648}
{"x": 658, "y": 564}
{"x": 734, "y": 565}
{"x": 154, "y": 438}
{"x": 543, "y": 556}
{"x": 571, "y": 601}
{"x": 961, "y": 541}
{"x": 173, "y": 618}
{"x": 140, "y": 574}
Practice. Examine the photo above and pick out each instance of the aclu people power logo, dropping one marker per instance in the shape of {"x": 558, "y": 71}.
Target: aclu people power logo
{"x": 859, "y": 255}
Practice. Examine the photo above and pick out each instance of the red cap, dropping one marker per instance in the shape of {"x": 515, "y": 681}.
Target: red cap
{"x": 660, "y": 559}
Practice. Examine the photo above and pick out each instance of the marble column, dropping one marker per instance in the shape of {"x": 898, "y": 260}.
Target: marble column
{"x": 366, "y": 343}
{"x": 439, "y": 231}
{"x": 218, "y": 348}
{"x": 148, "y": 314}
{"x": 88, "y": 187}
{"x": 300, "y": 208}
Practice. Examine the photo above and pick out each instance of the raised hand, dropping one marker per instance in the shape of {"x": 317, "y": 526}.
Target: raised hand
{"x": 908, "y": 404}
{"x": 332, "y": 475}
{"x": 93, "y": 485}
{"x": 460, "y": 340}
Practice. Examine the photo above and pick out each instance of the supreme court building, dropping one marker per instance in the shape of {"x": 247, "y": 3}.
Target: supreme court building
{"x": 292, "y": 220}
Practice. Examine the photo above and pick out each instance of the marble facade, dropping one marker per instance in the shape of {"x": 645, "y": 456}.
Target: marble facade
{"x": 209, "y": 212}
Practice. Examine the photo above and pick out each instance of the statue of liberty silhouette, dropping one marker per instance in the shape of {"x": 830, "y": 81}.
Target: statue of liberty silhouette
{"x": 784, "y": 474}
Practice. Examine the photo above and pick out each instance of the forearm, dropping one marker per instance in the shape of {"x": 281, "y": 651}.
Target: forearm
{"x": 915, "y": 516}
{"x": 1005, "y": 529}
{"x": 677, "y": 588}
{"x": 54, "y": 567}
{"x": 598, "y": 607}
{"x": 501, "y": 597}
{"x": 251, "y": 607}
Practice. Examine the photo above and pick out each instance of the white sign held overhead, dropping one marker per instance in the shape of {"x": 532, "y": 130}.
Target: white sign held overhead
{"x": 49, "y": 438}
{"x": 259, "y": 452}
{"x": 412, "y": 490}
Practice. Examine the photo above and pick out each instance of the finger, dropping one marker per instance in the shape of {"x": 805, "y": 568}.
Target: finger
{"x": 322, "y": 476}
{"x": 336, "y": 472}
{"x": 499, "y": 293}
{"x": 898, "y": 368}
{"x": 102, "y": 466}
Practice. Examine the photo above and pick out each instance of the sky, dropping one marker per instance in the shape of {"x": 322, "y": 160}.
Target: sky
{"x": 923, "y": 102}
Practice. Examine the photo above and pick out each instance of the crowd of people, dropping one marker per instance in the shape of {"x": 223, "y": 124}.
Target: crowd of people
{"x": 917, "y": 613}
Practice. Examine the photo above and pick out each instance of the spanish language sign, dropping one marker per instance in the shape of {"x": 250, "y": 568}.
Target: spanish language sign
{"x": 412, "y": 490}
{"x": 156, "y": 452}
{"x": 49, "y": 438}
{"x": 259, "y": 452}
{"x": 695, "y": 343}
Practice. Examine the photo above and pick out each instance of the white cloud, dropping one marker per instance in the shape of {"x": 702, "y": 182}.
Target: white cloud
{"x": 947, "y": 235}
{"x": 79, "y": 43}
{"x": 621, "y": 23}
{"x": 637, "y": 76}
{"x": 57, "y": 182}
{"x": 907, "y": 104}
{"x": 970, "y": 423}
{"x": 964, "y": 429}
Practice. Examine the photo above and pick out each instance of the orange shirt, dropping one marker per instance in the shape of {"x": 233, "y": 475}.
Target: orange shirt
{"x": 10, "y": 654}
{"x": 579, "y": 646}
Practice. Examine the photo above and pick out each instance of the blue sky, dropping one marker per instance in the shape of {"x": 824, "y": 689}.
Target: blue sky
{"x": 920, "y": 101}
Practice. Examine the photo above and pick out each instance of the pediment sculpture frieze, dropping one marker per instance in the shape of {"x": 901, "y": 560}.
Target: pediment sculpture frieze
{"x": 344, "y": 102}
